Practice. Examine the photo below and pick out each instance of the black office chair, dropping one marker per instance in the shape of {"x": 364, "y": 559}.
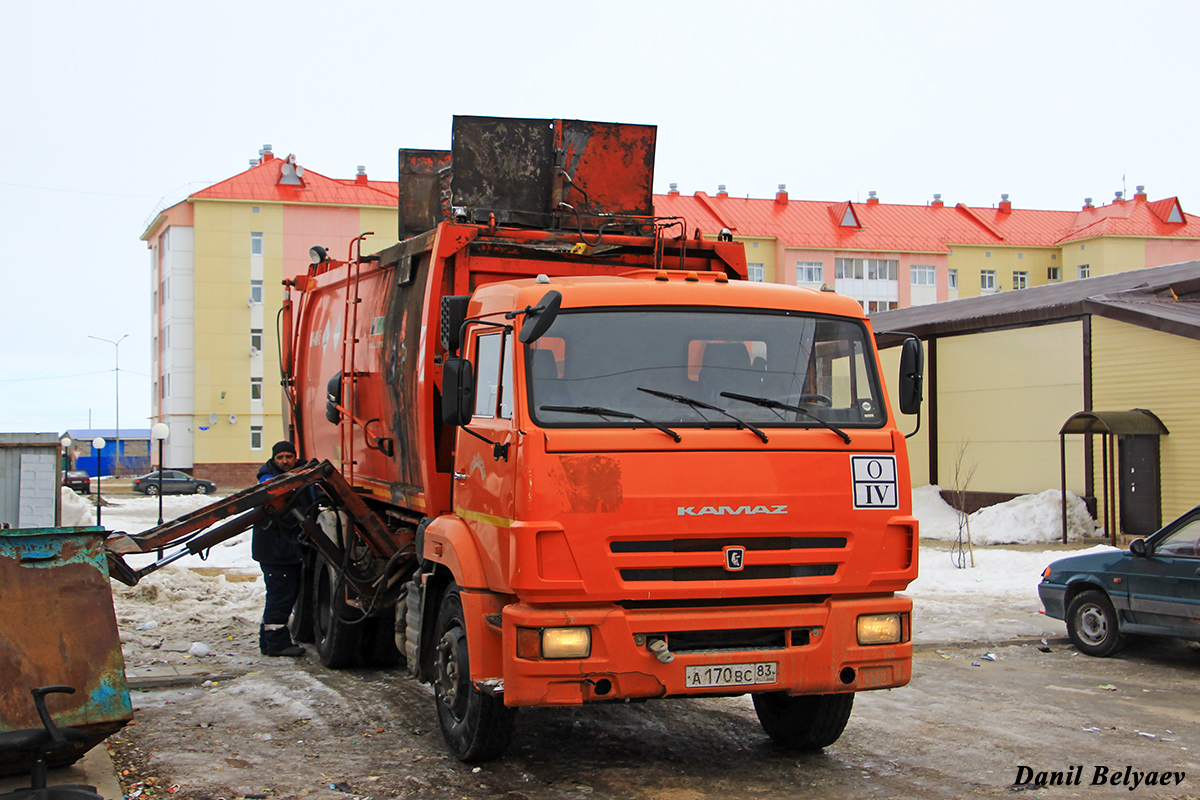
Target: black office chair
{"x": 40, "y": 742}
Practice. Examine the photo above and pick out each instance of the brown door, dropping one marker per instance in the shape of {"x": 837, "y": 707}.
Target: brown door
{"x": 1141, "y": 510}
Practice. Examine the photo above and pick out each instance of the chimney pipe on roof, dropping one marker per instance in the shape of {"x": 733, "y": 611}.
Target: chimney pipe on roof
{"x": 781, "y": 197}
{"x": 937, "y": 201}
{"x": 721, "y": 190}
{"x": 1141, "y": 193}
{"x": 265, "y": 153}
{"x": 1087, "y": 202}
{"x": 361, "y": 177}
{"x": 1118, "y": 196}
{"x": 872, "y": 199}
{"x": 674, "y": 188}
{"x": 1005, "y": 205}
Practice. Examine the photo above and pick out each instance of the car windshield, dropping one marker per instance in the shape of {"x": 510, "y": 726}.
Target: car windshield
{"x": 684, "y": 367}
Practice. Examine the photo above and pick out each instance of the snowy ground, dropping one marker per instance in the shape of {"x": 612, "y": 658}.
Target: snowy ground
{"x": 216, "y": 599}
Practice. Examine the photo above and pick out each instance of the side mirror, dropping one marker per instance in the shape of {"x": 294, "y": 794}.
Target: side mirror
{"x": 912, "y": 373}
{"x": 539, "y": 318}
{"x": 458, "y": 391}
{"x": 1138, "y": 548}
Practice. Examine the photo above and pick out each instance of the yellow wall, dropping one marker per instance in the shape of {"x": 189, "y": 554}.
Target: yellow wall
{"x": 1105, "y": 256}
{"x": 918, "y": 445}
{"x": 1006, "y": 394}
{"x": 762, "y": 251}
{"x": 1140, "y": 368}
{"x": 971, "y": 260}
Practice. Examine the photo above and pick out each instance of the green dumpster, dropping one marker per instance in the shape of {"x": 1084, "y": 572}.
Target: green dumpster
{"x": 58, "y": 627}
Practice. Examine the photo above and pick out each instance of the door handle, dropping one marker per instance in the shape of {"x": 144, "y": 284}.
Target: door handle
{"x": 460, "y": 476}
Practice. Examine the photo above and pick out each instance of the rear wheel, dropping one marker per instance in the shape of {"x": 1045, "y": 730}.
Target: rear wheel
{"x": 151, "y": 489}
{"x": 807, "y": 722}
{"x": 477, "y": 726}
{"x": 201, "y": 489}
{"x": 336, "y": 640}
{"x": 1092, "y": 624}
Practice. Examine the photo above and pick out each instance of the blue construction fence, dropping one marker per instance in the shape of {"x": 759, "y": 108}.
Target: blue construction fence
{"x": 132, "y": 457}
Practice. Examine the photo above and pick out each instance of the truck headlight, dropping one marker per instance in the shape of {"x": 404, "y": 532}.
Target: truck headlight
{"x": 554, "y": 642}
{"x": 880, "y": 629}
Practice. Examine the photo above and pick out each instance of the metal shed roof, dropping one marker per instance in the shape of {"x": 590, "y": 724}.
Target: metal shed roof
{"x": 1136, "y": 421}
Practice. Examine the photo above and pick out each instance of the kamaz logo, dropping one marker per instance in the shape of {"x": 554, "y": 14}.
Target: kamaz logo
{"x": 730, "y": 511}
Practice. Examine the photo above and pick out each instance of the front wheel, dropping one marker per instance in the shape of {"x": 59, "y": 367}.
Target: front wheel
{"x": 201, "y": 489}
{"x": 1092, "y": 624}
{"x": 477, "y": 726}
{"x": 806, "y": 722}
{"x": 151, "y": 489}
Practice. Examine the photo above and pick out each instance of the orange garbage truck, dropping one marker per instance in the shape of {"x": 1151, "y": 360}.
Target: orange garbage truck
{"x": 590, "y": 460}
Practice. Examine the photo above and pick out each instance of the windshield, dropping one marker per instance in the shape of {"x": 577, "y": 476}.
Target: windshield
{"x": 652, "y": 362}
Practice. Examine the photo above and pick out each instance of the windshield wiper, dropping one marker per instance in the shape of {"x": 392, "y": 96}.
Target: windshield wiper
{"x": 689, "y": 401}
{"x": 599, "y": 411}
{"x": 768, "y": 403}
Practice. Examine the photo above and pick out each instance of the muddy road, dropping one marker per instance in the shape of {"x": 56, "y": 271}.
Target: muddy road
{"x": 962, "y": 729}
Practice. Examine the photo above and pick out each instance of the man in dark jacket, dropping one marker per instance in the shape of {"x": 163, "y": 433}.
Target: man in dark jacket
{"x": 276, "y": 548}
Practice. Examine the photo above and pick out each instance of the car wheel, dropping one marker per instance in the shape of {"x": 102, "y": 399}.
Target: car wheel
{"x": 1092, "y": 624}
{"x": 151, "y": 489}
{"x": 201, "y": 489}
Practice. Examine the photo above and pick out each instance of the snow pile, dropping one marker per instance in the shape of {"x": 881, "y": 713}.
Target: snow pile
{"x": 76, "y": 511}
{"x": 1028, "y": 519}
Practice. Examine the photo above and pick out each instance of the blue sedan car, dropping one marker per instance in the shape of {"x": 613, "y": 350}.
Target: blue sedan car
{"x": 1151, "y": 588}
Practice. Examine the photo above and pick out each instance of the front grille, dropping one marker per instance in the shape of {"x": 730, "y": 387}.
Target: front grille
{"x": 723, "y": 602}
{"x": 764, "y": 572}
{"x": 745, "y": 639}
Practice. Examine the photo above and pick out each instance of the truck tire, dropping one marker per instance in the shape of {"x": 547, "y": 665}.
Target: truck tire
{"x": 477, "y": 726}
{"x": 1092, "y": 624}
{"x": 337, "y": 641}
{"x": 300, "y": 623}
{"x": 807, "y": 722}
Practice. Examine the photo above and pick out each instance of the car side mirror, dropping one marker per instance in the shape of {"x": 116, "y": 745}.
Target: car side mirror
{"x": 458, "y": 391}
{"x": 1138, "y": 548}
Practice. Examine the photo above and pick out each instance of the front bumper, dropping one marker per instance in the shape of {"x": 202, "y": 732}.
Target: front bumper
{"x": 1052, "y": 595}
{"x": 826, "y": 660}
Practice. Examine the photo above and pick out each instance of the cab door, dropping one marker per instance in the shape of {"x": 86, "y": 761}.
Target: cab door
{"x": 483, "y": 455}
{"x": 1164, "y": 588}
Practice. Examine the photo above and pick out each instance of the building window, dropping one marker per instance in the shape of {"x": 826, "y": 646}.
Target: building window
{"x": 165, "y": 386}
{"x": 756, "y": 272}
{"x": 1054, "y": 273}
{"x": 256, "y": 339}
{"x": 952, "y": 278}
{"x": 256, "y": 388}
{"x": 848, "y": 268}
{"x": 810, "y": 272}
{"x": 1020, "y": 280}
{"x": 881, "y": 305}
{"x": 873, "y": 269}
{"x": 256, "y": 295}
{"x": 256, "y": 244}
{"x": 923, "y": 275}
{"x": 166, "y": 337}
{"x": 1085, "y": 271}
{"x": 166, "y": 288}
{"x": 987, "y": 280}
{"x": 256, "y": 437}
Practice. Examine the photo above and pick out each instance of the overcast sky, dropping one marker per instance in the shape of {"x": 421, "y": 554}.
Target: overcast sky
{"x": 112, "y": 109}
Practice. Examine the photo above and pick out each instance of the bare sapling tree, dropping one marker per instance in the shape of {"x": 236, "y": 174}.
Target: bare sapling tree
{"x": 962, "y": 550}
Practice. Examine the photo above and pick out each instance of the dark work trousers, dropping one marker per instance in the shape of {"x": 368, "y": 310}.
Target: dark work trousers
{"x": 283, "y": 587}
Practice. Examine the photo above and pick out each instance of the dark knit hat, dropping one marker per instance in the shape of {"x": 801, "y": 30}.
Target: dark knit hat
{"x": 283, "y": 447}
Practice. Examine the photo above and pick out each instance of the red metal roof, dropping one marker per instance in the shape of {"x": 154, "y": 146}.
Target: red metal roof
{"x": 261, "y": 182}
{"x": 932, "y": 228}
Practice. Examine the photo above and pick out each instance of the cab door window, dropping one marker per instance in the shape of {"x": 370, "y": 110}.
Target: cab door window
{"x": 493, "y": 376}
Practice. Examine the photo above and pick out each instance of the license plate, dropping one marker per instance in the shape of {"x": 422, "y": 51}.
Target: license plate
{"x": 711, "y": 675}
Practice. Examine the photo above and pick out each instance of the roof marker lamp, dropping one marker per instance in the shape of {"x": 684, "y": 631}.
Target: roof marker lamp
{"x": 317, "y": 254}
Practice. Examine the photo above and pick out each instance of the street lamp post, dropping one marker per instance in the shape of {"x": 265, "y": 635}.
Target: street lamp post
{"x": 98, "y": 444}
{"x": 117, "y": 376}
{"x": 160, "y": 432}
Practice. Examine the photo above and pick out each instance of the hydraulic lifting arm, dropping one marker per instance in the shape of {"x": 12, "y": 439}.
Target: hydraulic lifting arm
{"x": 278, "y": 496}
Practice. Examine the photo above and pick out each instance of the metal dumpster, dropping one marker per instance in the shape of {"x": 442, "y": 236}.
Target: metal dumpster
{"x": 58, "y": 626}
